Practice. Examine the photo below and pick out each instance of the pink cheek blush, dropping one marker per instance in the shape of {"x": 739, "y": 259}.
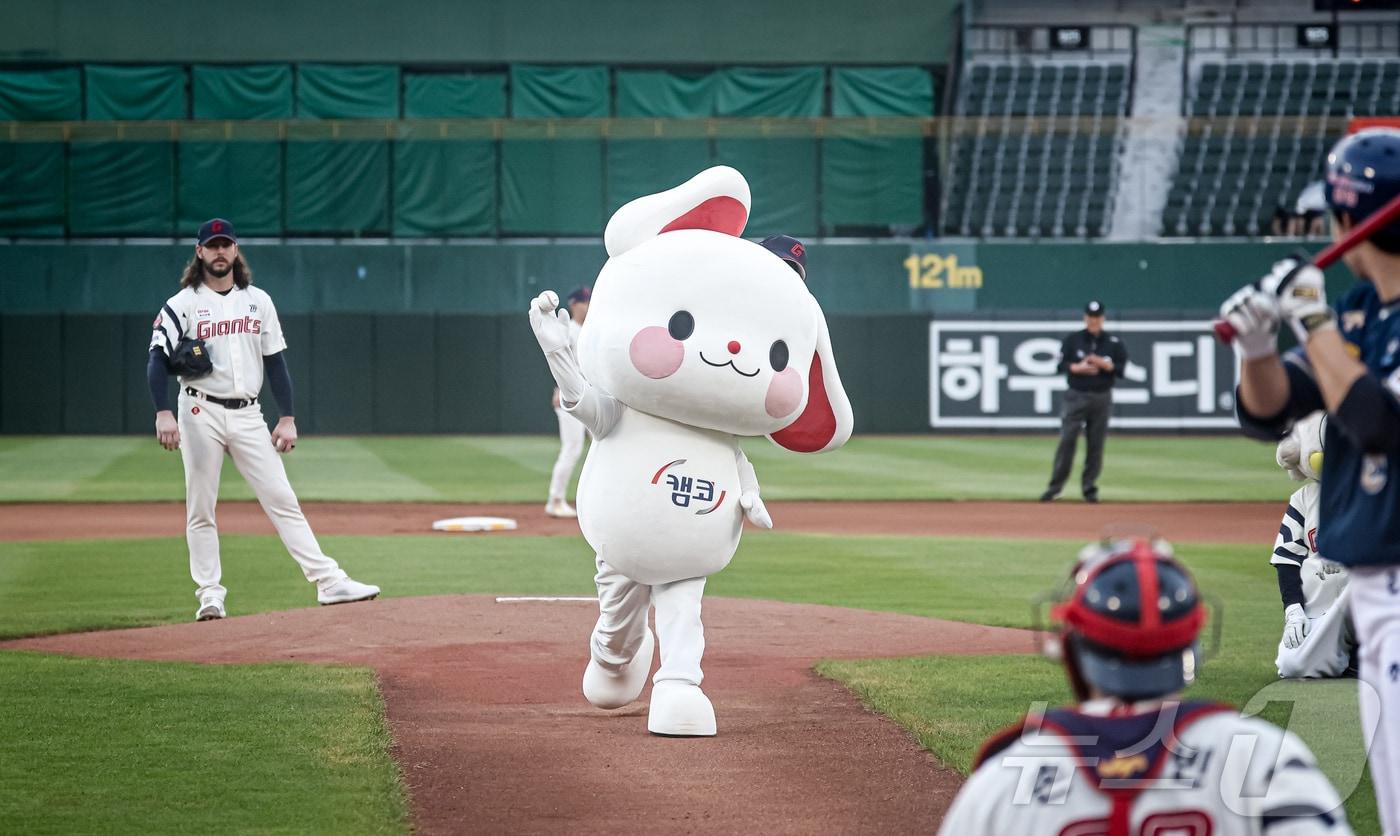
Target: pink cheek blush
{"x": 784, "y": 393}
{"x": 655, "y": 353}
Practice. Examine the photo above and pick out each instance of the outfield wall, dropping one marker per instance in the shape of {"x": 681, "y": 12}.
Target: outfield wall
{"x": 419, "y": 338}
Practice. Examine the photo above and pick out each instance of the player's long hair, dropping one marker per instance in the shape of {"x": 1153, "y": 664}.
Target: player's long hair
{"x": 194, "y": 272}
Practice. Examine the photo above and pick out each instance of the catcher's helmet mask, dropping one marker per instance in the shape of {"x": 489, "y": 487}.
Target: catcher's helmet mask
{"x": 1108, "y": 640}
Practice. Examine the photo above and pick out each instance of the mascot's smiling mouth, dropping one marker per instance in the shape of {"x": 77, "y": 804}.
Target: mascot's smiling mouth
{"x": 730, "y": 364}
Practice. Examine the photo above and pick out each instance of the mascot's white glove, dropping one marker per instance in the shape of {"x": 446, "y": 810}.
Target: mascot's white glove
{"x": 1302, "y": 298}
{"x": 1254, "y": 314}
{"x": 1289, "y": 454}
{"x": 1295, "y": 626}
{"x": 1331, "y": 568}
{"x": 755, "y": 510}
{"x": 551, "y": 326}
{"x": 549, "y": 322}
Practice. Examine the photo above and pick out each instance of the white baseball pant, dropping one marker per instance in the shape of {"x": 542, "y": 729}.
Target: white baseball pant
{"x": 1327, "y": 649}
{"x": 622, "y": 619}
{"x": 207, "y": 431}
{"x": 571, "y": 432}
{"x": 1375, "y": 608}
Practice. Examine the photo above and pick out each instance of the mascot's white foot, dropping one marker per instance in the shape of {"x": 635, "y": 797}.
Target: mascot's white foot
{"x": 679, "y": 709}
{"x": 614, "y": 689}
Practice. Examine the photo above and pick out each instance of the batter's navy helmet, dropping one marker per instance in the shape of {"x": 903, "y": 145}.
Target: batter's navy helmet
{"x": 1129, "y": 624}
{"x": 1363, "y": 174}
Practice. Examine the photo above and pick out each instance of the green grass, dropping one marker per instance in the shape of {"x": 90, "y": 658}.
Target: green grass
{"x": 107, "y": 746}
{"x": 516, "y": 469}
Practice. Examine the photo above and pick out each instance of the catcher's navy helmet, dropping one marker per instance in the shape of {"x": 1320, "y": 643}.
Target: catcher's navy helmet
{"x": 789, "y": 249}
{"x": 1363, "y": 174}
{"x": 1130, "y": 623}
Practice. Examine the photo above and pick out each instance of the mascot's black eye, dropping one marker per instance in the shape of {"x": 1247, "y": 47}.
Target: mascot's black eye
{"x": 777, "y": 355}
{"x": 682, "y": 325}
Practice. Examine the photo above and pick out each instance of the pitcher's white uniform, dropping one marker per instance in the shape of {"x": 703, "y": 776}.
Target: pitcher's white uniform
{"x": 1184, "y": 769}
{"x": 239, "y": 328}
{"x": 571, "y": 434}
{"x": 1328, "y": 647}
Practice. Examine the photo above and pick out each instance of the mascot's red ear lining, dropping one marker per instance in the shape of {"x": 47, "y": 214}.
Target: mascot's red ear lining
{"x": 719, "y": 214}
{"x": 816, "y": 426}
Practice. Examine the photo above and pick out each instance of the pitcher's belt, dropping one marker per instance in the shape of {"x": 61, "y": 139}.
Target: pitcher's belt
{"x": 226, "y": 403}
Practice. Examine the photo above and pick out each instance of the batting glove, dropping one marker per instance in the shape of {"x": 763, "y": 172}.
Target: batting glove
{"x": 1254, "y": 314}
{"x": 1295, "y": 626}
{"x": 754, "y": 510}
{"x": 1302, "y": 298}
{"x": 549, "y": 322}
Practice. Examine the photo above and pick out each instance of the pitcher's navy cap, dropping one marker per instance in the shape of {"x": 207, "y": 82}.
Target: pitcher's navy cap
{"x": 216, "y": 228}
{"x": 789, "y": 249}
{"x": 1094, "y": 308}
{"x": 581, "y": 294}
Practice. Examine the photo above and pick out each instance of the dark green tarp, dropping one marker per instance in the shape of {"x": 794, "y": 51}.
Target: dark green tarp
{"x": 240, "y": 180}
{"x": 881, "y": 91}
{"x": 338, "y": 187}
{"x": 546, "y": 92}
{"x": 782, "y": 175}
{"x": 134, "y": 93}
{"x": 32, "y": 183}
{"x": 347, "y": 91}
{"x": 872, "y": 180}
{"x": 444, "y": 186}
{"x": 770, "y": 91}
{"x": 260, "y": 91}
{"x": 551, "y": 185}
{"x": 454, "y": 95}
{"x": 639, "y": 167}
{"x": 121, "y": 188}
{"x": 41, "y": 95}
{"x": 662, "y": 94}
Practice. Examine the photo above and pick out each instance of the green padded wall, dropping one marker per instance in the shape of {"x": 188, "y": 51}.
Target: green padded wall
{"x": 872, "y": 181}
{"x": 155, "y": 92}
{"x": 93, "y": 381}
{"x": 639, "y": 167}
{"x": 545, "y": 92}
{"x": 33, "y": 180}
{"x": 121, "y": 188}
{"x": 240, "y": 179}
{"x": 454, "y": 95}
{"x": 342, "y": 390}
{"x": 551, "y": 186}
{"x": 770, "y": 91}
{"x": 881, "y": 91}
{"x": 41, "y": 95}
{"x": 350, "y": 91}
{"x": 31, "y": 392}
{"x": 443, "y": 186}
{"x": 338, "y": 187}
{"x": 664, "y": 94}
{"x": 782, "y": 175}
{"x": 404, "y": 397}
{"x": 465, "y": 384}
{"x": 261, "y": 91}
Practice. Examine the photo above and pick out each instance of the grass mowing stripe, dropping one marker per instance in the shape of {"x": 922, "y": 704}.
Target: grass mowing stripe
{"x": 516, "y": 469}
{"x": 118, "y": 746}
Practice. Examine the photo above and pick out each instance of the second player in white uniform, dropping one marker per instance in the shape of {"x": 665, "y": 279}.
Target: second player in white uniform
{"x": 1318, "y": 639}
{"x": 1132, "y": 759}
{"x": 218, "y": 415}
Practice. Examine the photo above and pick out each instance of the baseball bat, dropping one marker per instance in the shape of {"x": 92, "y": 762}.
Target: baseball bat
{"x": 1225, "y": 332}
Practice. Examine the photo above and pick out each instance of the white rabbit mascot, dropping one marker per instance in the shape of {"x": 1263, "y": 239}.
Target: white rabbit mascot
{"x": 695, "y": 337}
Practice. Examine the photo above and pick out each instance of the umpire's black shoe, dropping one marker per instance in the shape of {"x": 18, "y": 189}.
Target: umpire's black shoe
{"x": 1048, "y": 496}
{"x": 1091, "y": 497}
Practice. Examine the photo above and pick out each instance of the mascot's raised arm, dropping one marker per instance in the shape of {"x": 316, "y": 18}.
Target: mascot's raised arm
{"x": 694, "y": 338}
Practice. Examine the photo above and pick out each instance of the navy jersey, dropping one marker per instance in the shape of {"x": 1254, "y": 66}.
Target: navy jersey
{"x": 1359, "y": 514}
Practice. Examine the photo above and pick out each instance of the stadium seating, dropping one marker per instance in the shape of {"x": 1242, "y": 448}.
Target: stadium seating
{"x": 1262, "y": 134}
{"x": 1050, "y": 175}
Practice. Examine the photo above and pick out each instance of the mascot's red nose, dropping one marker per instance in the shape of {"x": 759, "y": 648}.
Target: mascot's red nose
{"x": 733, "y": 347}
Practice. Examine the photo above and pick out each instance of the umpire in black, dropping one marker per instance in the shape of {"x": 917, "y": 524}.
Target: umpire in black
{"x": 1093, "y": 359}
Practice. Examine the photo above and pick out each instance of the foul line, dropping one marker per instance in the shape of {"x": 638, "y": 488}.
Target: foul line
{"x": 525, "y": 598}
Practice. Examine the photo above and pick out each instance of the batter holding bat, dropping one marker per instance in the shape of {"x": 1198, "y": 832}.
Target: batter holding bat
{"x": 1347, "y": 363}
{"x": 220, "y": 335}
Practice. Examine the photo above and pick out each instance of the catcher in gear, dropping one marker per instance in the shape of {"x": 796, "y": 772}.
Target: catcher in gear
{"x": 1132, "y": 757}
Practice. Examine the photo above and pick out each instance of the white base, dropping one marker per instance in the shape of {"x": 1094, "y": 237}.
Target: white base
{"x": 475, "y": 524}
{"x": 679, "y": 709}
{"x": 608, "y": 689}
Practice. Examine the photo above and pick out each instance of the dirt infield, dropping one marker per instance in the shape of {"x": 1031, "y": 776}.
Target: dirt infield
{"x": 493, "y": 735}
{"x": 1206, "y": 522}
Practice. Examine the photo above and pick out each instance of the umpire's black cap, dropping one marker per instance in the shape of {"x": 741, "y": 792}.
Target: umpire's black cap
{"x": 216, "y": 228}
{"x": 1094, "y": 308}
{"x": 789, "y": 249}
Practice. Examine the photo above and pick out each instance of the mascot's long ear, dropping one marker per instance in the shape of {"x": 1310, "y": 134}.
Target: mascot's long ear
{"x": 716, "y": 199}
{"x": 825, "y": 423}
